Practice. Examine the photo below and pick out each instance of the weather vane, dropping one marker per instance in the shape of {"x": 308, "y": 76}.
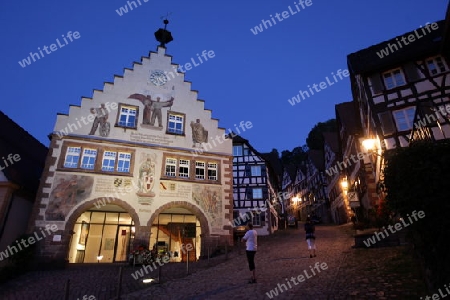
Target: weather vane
{"x": 162, "y": 35}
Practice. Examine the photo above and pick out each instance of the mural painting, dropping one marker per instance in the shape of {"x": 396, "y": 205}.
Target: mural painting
{"x": 210, "y": 200}
{"x": 199, "y": 134}
{"x": 146, "y": 179}
{"x": 101, "y": 119}
{"x": 69, "y": 190}
{"x": 152, "y": 109}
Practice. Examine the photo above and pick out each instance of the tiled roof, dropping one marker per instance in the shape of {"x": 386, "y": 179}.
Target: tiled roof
{"x": 367, "y": 60}
{"x": 347, "y": 115}
{"x": 27, "y": 171}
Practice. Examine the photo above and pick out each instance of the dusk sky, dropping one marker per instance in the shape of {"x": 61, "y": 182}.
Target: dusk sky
{"x": 250, "y": 78}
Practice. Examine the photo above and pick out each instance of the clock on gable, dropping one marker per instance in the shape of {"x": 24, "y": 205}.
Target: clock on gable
{"x": 158, "y": 78}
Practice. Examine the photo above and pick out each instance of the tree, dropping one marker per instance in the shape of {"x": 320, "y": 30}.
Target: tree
{"x": 416, "y": 180}
{"x": 315, "y": 139}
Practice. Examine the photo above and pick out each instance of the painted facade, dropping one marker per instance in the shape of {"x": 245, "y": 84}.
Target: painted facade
{"x": 142, "y": 162}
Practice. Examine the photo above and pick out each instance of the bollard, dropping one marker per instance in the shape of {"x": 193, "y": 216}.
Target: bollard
{"x": 187, "y": 262}
{"x": 226, "y": 250}
{"x": 209, "y": 255}
{"x": 119, "y": 288}
{"x": 66, "y": 290}
{"x": 239, "y": 245}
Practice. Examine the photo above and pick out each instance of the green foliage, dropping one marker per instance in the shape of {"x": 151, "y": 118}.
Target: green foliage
{"x": 315, "y": 139}
{"x": 416, "y": 178}
{"x": 294, "y": 157}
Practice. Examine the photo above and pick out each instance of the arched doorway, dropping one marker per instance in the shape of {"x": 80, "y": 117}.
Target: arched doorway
{"x": 177, "y": 230}
{"x": 102, "y": 235}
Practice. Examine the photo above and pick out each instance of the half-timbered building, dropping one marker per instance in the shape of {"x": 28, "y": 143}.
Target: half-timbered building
{"x": 253, "y": 191}
{"x": 402, "y": 92}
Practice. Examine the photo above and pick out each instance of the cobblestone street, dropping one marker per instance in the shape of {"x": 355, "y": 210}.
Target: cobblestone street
{"x": 379, "y": 273}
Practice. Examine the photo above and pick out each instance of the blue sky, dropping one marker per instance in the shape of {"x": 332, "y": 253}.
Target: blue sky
{"x": 250, "y": 78}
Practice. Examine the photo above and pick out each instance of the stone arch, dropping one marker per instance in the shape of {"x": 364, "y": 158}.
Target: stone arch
{"x": 183, "y": 204}
{"x": 75, "y": 214}
{"x": 70, "y": 222}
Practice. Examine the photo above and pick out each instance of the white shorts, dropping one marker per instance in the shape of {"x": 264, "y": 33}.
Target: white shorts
{"x": 311, "y": 244}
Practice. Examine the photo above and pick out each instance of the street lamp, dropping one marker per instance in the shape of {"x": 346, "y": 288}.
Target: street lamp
{"x": 344, "y": 184}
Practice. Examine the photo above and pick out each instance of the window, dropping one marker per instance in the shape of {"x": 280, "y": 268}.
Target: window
{"x": 183, "y": 168}
{"x": 404, "y": 118}
{"x": 123, "y": 164}
{"x": 257, "y": 193}
{"x": 127, "y": 116}
{"x": 394, "y": 78}
{"x": 88, "y": 159}
{"x": 171, "y": 166}
{"x": 237, "y": 150}
{"x": 175, "y": 123}
{"x": 436, "y": 65}
{"x": 199, "y": 170}
{"x": 256, "y": 220}
{"x": 256, "y": 170}
{"x": 212, "y": 171}
{"x": 109, "y": 161}
{"x": 72, "y": 157}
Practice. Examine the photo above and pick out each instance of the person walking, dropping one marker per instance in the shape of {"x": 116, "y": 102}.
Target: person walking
{"x": 310, "y": 230}
{"x": 251, "y": 240}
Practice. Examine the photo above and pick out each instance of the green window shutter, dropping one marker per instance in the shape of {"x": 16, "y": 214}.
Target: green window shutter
{"x": 387, "y": 124}
{"x": 375, "y": 82}
{"x": 411, "y": 72}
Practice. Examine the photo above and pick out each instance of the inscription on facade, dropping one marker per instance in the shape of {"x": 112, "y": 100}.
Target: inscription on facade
{"x": 150, "y": 138}
{"x": 175, "y": 189}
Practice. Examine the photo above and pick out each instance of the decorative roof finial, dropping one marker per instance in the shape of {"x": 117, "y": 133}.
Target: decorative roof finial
{"x": 162, "y": 35}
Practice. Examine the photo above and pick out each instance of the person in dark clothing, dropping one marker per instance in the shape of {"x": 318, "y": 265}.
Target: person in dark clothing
{"x": 310, "y": 230}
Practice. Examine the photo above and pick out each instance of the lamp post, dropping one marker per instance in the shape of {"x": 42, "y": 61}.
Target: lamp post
{"x": 373, "y": 147}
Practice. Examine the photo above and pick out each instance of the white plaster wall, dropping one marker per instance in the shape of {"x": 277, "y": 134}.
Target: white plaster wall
{"x": 137, "y": 81}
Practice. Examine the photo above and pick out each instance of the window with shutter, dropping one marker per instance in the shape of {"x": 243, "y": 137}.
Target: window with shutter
{"x": 411, "y": 72}
{"x": 387, "y": 124}
{"x": 375, "y": 84}
{"x": 262, "y": 215}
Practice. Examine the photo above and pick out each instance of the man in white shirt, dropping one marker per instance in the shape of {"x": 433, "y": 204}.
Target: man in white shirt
{"x": 251, "y": 240}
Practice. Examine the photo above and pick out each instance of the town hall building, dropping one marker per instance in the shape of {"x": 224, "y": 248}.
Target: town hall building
{"x": 142, "y": 162}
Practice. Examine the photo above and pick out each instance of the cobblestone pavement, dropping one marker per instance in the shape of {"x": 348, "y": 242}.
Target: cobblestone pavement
{"x": 379, "y": 273}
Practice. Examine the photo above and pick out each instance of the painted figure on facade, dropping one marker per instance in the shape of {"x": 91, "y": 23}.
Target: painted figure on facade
{"x": 199, "y": 134}
{"x": 68, "y": 192}
{"x": 152, "y": 108}
{"x": 156, "y": 110}
{"x": 101, "y": 118}
{"x": 146, "y": 178}
{"x": 209, "y": 199}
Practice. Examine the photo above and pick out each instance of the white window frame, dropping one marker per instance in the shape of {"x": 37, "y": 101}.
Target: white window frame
{"x": 200, "y": 166}
{"x": 212, "y": 171}
{"x": 237, "y": 150}
{"x": 257, "y": 193}
{"x": 404, "y": 118}
{"x": 127, "y": 111}
{"x": 183, "y": 164}
{"x": 109, "y": 156}
{"x": 438, "y": 64}
{"x": 172, "y": 121}
{"x": 171, "y": 167}
{"x": 391, "y": 74}
{"x": 123, "y": 158}
{"x": 255, "y": 170}
{"x": 90, "y": 155}
{"x": 72, "y": 158}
